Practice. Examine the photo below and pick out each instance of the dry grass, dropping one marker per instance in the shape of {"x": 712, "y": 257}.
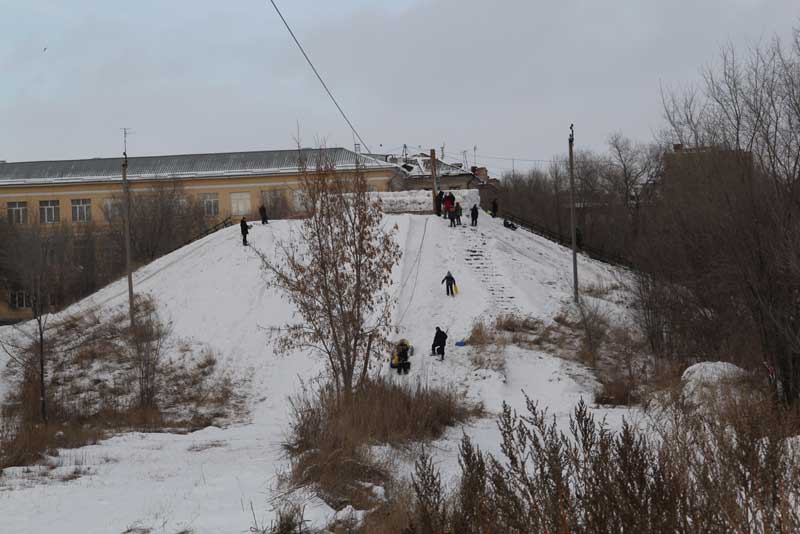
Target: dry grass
{"x": 93, "y": 388}
{"x": 729, "y": 471}
{"x": 329, "y": 440}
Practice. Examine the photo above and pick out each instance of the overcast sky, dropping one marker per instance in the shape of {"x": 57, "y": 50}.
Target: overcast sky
{"x": 210, "y": 76}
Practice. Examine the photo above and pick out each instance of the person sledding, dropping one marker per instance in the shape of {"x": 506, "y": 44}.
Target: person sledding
{"x": 403, "y": 350}
{"x": 245, "y": 230}
{"x": 450, "y": 284}
{"x": 439, "y": 341}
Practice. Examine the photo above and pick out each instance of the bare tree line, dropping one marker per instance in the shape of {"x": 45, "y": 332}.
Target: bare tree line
{"x": 711, "y": 228}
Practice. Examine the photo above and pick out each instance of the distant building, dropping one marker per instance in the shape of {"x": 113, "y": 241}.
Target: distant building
{"x": 418, "y": 173}
{"x": 232, "y": 184}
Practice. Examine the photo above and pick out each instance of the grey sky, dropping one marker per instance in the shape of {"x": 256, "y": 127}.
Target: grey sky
{"x": 204, "y": 76}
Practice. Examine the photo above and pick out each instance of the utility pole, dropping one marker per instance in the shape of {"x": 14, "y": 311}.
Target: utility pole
{"x": 572, "y": 213}
{"x": 442, "y": 150}
{"x": 127, "y": 225}
{"x": 475, "y": 155}
{"x": 433, "y": 175}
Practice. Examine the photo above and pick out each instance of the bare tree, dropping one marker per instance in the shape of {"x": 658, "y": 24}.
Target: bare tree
{"x": 36, "y": 264}
{"x": 337, "y": 274}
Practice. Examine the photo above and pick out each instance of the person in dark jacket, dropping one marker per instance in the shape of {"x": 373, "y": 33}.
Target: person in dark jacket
{"x": 439, "y": 341}
{"x": 449, "y": 282}
{"x": 245, "y": 229}
{"x": 263, "y": 212}
{"x": 439, "y": 201}
{"x": 458, "y": 213}
{"x": 473, "y": 212}
{"x": 403, "y": 351}
{"x": 494, "y": 208}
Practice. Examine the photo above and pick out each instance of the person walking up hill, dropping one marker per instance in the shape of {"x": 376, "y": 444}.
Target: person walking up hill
{"x": 449, "y": 282}
{"x": 439, "y": 342}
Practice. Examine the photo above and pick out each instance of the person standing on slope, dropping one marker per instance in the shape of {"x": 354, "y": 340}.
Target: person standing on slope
{"x": 449, "y": 282}
{"x": 458, "y": 213}
{"x": 446, "y": 204}
{"x": 245, "y": 229}
{"x": 439, "y": 341}
{"x": 439, "y": 200}
{"x": 494, "y": 208}
{"x": 473, "y": 212}
{"x": 263, "y": 212}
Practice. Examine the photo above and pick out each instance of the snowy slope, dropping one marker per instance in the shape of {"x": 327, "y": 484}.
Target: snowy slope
{"x": 213, "y": 291}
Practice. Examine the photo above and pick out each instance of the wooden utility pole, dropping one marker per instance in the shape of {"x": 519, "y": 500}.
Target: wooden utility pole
{"x": 572, "y": 213}
{"x": 127, "y": 197}
{"x": 433, "y": 175}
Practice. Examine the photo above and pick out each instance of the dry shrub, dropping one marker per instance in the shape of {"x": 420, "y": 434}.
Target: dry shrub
{"x": 480, "y": 335}
{"x": 102, "y": 380}
{"x": 594, "y": 325}
{"x": 329, "y": 440}
{"x": 518, "y": 324}
{"x": 730, "y": 471}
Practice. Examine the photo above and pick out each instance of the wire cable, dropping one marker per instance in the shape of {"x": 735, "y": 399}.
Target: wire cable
{"x": 350, "y": 124}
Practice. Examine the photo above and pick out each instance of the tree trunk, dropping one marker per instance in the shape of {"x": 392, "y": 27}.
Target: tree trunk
{"x": 42, "y": 390}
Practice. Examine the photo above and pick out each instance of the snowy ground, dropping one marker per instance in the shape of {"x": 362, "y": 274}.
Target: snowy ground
{"x": 213, "y": 292}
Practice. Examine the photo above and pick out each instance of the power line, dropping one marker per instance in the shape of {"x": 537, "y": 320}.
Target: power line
{"x": 350, "y": 124}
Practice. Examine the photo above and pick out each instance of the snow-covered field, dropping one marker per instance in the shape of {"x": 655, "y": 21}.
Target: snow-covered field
{"x": 213, "y": 291}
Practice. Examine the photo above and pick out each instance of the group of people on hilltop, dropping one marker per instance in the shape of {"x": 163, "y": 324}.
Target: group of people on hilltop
{"x": 447, "y": 207}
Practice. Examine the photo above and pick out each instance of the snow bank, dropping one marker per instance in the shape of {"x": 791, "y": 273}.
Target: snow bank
{"x": 421, "y": 201}
{"x": 702, "y": 381}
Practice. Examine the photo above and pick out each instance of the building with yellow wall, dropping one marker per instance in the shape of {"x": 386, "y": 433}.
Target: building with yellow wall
{"x": 233, "y": 184}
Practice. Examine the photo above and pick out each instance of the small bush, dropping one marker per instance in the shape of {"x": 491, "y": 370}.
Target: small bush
{"x": 329, "y": 440}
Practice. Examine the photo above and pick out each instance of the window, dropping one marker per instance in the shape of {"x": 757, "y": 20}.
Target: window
{"x": 81, "y": 210}
{"x": 210, "y": 203}
{"x": 298, "y": 199}
{"x": 19, "y": 299}
{"x": 240, "y": 204}
{"x": 17, "y": 212}
{"x": 49, "y": 211}
{"x": 112, "y": 209}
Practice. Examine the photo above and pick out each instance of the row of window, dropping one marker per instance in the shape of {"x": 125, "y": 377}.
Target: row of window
{"x": 50, "y": 211}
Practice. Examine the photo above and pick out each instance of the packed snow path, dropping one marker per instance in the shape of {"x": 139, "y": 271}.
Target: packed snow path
{"x": 213, "y": 292}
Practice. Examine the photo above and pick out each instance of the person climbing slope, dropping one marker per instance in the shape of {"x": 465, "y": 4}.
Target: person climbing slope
{"x": 439, "y": 341}
{"x": 450, "y": 283}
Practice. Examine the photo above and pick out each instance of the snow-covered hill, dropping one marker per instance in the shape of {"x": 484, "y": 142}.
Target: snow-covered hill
{"x": 213, "y": 292}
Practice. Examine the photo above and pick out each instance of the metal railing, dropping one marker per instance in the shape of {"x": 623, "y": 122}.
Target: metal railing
{"x": 224, "y": 223}
{"x": 593, "y": 252}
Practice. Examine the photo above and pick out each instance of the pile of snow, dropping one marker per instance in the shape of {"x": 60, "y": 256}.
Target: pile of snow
{"x": 422, "y": 201}
{"x": 703, "y": 381}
